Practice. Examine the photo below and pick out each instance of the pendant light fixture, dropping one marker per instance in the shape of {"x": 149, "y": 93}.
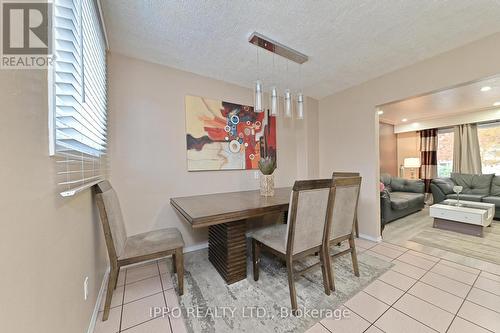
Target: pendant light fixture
{"x": 258, "y": 90}
{"x": 300, "y": 97}
{"x": 284, "y": 51}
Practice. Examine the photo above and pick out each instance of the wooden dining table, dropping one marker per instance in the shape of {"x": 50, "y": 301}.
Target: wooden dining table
{"x": 226, "y": 215}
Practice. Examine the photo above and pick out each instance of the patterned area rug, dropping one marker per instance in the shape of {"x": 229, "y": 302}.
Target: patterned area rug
{"x": 486, "y": 248}
{"x": 209, "y": 305}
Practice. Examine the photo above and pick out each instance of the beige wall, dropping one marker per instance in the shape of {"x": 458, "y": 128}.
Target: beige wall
{"x": 148, "y": 146}
{"x": 388, "y": 149}
{"x": 49, "y": 244}
{"x": 348, "y": 124}
{"x": 408, "y": 146}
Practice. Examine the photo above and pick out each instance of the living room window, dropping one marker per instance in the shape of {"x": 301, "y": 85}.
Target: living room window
{"x": 445, "y": 152}
{"x": 489, "y": 144}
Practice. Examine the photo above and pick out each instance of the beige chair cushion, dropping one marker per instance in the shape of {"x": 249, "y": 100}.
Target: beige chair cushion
{"x": 152, "y": 242}
{"x": 344, "y": 209}
{"x": 273, "y": 236}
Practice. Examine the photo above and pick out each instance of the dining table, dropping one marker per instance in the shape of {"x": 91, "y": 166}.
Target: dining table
{"x": 226, "y": 216}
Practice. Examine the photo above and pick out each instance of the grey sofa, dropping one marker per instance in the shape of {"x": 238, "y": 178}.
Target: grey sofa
{"x": 400, "y": 197}
{"x": 481, "y": 188}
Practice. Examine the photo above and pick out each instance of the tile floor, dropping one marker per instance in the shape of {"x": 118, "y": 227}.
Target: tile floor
{"x": 139, "y": 289}
{"x": 420, "y": 293}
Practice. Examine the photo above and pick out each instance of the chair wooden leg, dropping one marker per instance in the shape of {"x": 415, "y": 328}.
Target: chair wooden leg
{"x": 174, "y": 264}
{"x": 113, "y": 274}
{"x": 291, "y": 284}
{"x": 330, "y": 268}
{"x": 116, "y": 278}
{"x": 255, "y": 259}
{"x": 356, "y": 226}
{"x": 179, "y": 263}
{"x": 324, "y": 270}
{"x": 354, "y": 256}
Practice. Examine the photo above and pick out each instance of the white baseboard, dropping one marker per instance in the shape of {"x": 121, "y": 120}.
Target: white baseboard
{"x": 370, "y": 238}
{"x": 100, "y": 295}
{"x": 196, "y": 247}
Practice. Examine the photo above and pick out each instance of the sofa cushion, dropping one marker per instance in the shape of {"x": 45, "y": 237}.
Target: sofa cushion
{"x": 495, "y": 186}
{"x": 466, "y": 197}
{"x": 473, "y": 184}
{"x": 407, "y": 185}
{"x": 444, "y": 184}
{"x": 493, "y": 200}
{"x": 404, "y": 200}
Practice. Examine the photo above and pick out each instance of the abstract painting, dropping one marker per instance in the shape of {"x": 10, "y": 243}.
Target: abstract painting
{"x": 226, "y": 136}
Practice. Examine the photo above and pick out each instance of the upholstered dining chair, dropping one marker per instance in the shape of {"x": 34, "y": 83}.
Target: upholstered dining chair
{"x": 304, "y": 234}
{"x": 340, "y": 174}
{"x": 345, "y": 198}
{"x": 125, "y": 250}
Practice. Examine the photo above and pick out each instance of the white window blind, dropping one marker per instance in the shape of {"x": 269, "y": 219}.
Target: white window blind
{"x": 80, "y": 95}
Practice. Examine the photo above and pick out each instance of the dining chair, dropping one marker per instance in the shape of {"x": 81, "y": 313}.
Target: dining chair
{"x": 345, "y": 198}
{"x": 125, "y": 250}
{"x": 340, "y": 174}
{"x": 305, "y": 233}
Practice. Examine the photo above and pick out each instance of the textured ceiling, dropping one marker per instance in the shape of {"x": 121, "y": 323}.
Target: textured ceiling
{"x": 348, "y": 41}
{"x": 462, "y": 99}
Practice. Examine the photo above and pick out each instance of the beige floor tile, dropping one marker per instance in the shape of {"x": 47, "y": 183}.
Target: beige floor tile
{"x": 142, "y": 310}
{"x": 352, "y": 324}
{"x": 364, "y": 243}
{"x": 394, "y": 321}
{"x": 158, "y": 325}
{"x": 373, "y": 329}
{"x": 490, "y": 276}
{"x": 460, "y": 267}
{"x": 142, "y": 288}
{"x": 165, "y": 265}
{"x": 480, "y": 316}
{"x": 112, "y": 325}
{"x": 366, "y": 306}
{"x": 484, "y": 298}
{"x": 121, "y": 278}
{"x": 460, "y": 325}
{"x": 408, "y": 270}
{"x": 418, "y": 261}
{"x": 442, "y": 282}
{"x": 116, "y": 300}
{"x": 137, "y": 273}
{"x": 395, "y": 247}
{"x": 178, "y": 325}
{"x": 488, "y": 285}
{"x": 378, "y": 255}
{"x": 424, "y": 312}
{"x": 386, "y": 251}
{"x": 454, "y": 273}
{"x": 166, "y": 280}
{"x": 384, "y": 292}
{"x": 397, "y": 280}
{"x": 424, "y": 255}
{"x": 318, "y": 328}
{"x": 438, "y": 297}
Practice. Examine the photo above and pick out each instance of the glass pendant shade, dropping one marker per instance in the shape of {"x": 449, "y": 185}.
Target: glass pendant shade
{"x": 258, "y": 97}
{"x": 274, "y": 102}
{"x": 288, "y": 103}
{"x": 300, "y": 106}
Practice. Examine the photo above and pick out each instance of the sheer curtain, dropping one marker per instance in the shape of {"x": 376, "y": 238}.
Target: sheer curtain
{"x": 466, "y": 152}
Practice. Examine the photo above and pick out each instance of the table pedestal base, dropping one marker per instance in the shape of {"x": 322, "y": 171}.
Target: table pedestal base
{"x": 227, "y": 250}
{"x": 464, "y": 228}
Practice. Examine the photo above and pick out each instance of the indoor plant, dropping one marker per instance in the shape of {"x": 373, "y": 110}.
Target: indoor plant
{"x": 267, "y": 165}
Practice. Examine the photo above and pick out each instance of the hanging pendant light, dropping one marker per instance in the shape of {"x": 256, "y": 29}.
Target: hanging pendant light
{"x": 300, "y": 106}
{"x": 258, "y": 97}
{"x": 300, "y": 97}
{"x": 288, "y": 103}
{"x": 274, "y": 101}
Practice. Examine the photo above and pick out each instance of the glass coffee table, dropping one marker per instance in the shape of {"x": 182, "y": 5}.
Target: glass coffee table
{"x": 468, "y": 217}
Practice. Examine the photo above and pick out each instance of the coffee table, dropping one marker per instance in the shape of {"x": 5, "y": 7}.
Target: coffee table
{"x": 468, "y": 218}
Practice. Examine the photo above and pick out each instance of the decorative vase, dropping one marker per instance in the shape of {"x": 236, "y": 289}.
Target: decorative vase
{"x": 267, "y": 185}
{"x": 457, "y": 190}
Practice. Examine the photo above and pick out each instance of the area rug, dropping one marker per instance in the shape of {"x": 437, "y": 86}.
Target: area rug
{"x": 484, "y": 248}
{"x": 209, "y": 305}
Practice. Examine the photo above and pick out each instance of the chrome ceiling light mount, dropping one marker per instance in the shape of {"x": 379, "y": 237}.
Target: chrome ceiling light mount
{"x": 290, "y": 54}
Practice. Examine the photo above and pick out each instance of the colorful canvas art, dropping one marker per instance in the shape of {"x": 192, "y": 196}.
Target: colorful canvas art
{"x": 226, "y": 136}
